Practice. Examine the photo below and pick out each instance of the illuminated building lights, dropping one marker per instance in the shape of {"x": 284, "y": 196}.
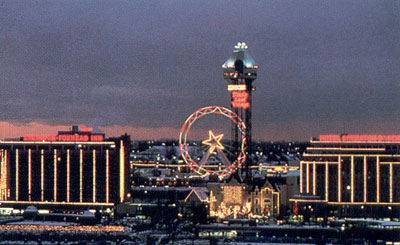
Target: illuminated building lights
{"x": 16, "y": 175}
{"x": 301, "y": 177}
{"x": 359, "y": 138}
{"x": 345, "y": 149}
{"x": 121, "y": 172}
{"x": 365, "y": 178}
{"x": 391, "y": 182}
{"x": 80, "y": 175}
{"x": 340, "y": 178}
{"x": 49, "y": 174}
{"x": 343, "y": 203}
{"x": 61, "y": 203}
{"x": 361, "y": 165}
{"x": 30, "y": 174}
{"x": 314, "y": 179}
{"x": 326, "y": 181}
{"x": 235, "y": 201}
{"x": 107, "y": 175}
{"x": 94, "y": 175}
{"x": 68, "y": 175}
{"x": 377, "y": 179}
{"x": 59, "y": 228}
{"x": 308, "y": 178}
{"x": 349, "y": 155}
{"x": 55, "y": 175}
{"x": 42, "y": 175}
{"x": 352, "y": 178}
{"x": 3, "y": 176}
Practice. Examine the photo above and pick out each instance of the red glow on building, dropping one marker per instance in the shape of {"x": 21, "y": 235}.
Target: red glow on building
{"x": 240, "y": 99}
{"x": 75, "y": 135}
{"x": 359, "y": 138}
{"x": 86, "y": 129}
{"x": 64, "y": 137}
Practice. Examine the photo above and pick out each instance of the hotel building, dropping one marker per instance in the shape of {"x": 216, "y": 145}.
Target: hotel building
{"x": 74, "y": 167}
{"x": 351, "y": 175}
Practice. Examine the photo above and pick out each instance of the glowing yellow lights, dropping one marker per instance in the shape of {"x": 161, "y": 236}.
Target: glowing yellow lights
{"x": 308, "y": 178}
{"x": 213, "y": 141}
{"x": 237, "y": 87}
{"x": 3, "y": 177}
{"x": 326, "y": 181}
{"x": 16, "y": 174}
{"x": 94, "y": 175}
{"x": 80, "y": 175}
{"x": 365, "y": 178}
{"x": 391, "y": 182}
{"x": 71, "y": 228}
{"x": 352, "y": 178}
{"x": 68, "y": 175}
{"x": 122, "y": 172}
{"x": 107, "y": 175}
{"x": 55, "y": 175}
{"x": 301, "y": 177}
{"x": 340, "y": 179}
{"x": 314, "y": 179}
{"x": 377, "y": 179}
{"x": 30, "y": 174}
{"x": 42, "y": 175}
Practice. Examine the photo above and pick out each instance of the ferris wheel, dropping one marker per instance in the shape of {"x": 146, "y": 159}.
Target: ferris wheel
{"x": 214, "y": 155}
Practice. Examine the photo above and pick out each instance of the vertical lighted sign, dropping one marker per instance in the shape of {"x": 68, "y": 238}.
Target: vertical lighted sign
{"x": 240, "y": 99}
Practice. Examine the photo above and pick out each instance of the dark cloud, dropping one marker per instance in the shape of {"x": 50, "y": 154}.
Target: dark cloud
{"x": 152, "y": 63}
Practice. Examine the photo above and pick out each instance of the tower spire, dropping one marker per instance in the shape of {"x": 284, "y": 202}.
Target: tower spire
{"x": 240, "y": 70}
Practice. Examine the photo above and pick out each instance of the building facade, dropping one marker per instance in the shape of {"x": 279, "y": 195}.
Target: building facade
{"x": 233, "y": 200}
{"x": 351, "y": 172}
{"x": 73, "y": 167}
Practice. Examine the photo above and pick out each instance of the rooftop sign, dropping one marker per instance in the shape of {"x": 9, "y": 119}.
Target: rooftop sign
{"x": 240, "y": 99}
{"x": 359, "y": 138}
{"x": 64, "y": 137}
{"x": 237, "y": 87}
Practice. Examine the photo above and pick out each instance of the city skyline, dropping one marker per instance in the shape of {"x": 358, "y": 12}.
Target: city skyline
{"x": 144, "y": 67}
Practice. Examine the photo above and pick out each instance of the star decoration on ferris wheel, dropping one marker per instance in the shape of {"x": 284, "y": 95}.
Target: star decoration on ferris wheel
{"x": 213, "y": 141}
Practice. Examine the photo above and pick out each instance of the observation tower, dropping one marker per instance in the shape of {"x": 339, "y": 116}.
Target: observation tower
{"x": 240, "y": 70}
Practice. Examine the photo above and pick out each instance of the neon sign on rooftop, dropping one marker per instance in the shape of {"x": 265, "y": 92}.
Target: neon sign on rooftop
{"x": 359, "y": 138}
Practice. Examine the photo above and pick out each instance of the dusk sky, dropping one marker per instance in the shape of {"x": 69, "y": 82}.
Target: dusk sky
{"x": 142, "y": 67}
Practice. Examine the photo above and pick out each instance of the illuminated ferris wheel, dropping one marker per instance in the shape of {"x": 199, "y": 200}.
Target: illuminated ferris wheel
{"x": 214, "y": 155}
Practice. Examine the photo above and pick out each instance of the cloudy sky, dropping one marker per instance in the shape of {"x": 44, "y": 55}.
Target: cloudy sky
{"x": 143, "y": 67}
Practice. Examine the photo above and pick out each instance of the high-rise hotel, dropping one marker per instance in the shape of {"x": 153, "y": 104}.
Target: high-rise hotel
{"x": 73, "y": 167}
{"x": 351, "y": 173}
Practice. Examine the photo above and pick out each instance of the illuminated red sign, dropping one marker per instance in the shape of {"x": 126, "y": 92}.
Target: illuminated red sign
{"x": 239, "y": 99}
{"x": 86, "y": 129}
{"x": 64, "y": 137}
{"x": 360, "y": 138}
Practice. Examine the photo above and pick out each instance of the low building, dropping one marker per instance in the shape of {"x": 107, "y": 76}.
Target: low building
{"x": 233, "y": 200}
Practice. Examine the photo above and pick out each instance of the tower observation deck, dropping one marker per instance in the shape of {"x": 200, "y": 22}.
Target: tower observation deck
{"x": 240, "y": 70}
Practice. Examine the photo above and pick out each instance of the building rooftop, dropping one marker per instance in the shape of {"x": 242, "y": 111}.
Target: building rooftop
{"x": 357, "y": 138}
{"x": 240, "y": 53}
